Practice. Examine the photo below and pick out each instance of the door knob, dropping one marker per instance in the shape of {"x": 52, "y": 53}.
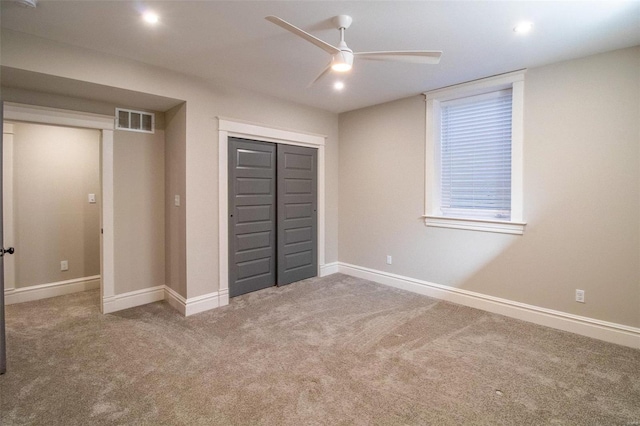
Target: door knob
{"x": 10, "y": 250}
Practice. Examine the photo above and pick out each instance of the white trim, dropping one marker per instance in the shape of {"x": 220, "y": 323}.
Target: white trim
{"x": 195, "y": 305}
{"x": 504, "y": 227}
{"x": 107, "y": 226}
{"x": 132, "y": 299}
{"x": 329, "y": 268}
{"x": 237, "y": 128}
{"x": 122, "y": 301}
{"x": 175, "y": 300}
{"x": 7, "y": 204}
{"x": 247, "y": 128}
{"x": 7, "y": 128}
{"x": 59, "y": 117}
{"x": 45, "y": 291}
{"x": 603, "y": 330}
{"x": 476, "y": 87}
{"x": 517, "y": 148}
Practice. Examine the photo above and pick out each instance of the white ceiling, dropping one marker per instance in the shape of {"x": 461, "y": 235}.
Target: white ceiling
{"x": 230, "y": 42}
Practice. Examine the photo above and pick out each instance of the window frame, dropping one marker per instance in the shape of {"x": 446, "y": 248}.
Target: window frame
{"x": 433, "y": 215}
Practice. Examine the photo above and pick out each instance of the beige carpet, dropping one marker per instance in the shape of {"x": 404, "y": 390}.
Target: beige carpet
{"x": 336, "y": 350}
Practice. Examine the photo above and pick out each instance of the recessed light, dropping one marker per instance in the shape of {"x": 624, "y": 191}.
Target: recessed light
{"x": 338, "y": 85}
{"x": 150, "y": 17}
{"x": 523, "y": 27}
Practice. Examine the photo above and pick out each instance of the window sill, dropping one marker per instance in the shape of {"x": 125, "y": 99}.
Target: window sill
{"x": 499, "y": 226}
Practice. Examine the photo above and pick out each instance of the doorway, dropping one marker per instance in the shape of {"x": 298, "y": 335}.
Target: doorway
{"x": 104, "y": 124}
{"x": 272, "y": 214}
{"x": 51, "y": 198}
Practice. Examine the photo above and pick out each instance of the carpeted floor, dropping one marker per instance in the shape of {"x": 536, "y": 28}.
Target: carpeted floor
{"x": 335, "y": 350}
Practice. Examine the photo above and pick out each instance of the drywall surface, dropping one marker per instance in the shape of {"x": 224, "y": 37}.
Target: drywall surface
{"x": 204, "y": 103}
{"x": 175, "y": 186}
{"x": 139, "y": 223}
{"x": 55, "y": 169}
{"x": 581, "y": 195}
{"x": 51, "y": 100}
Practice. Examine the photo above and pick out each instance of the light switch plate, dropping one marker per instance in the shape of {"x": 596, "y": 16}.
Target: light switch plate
{"x": 176, "y": 201}
{"x": 92, "y": 198}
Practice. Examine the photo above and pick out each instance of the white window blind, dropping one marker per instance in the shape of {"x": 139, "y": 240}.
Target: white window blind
{"x": 475, "y": 151}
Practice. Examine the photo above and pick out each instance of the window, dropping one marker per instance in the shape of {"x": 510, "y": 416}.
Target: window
{"x": 474, "y": 155}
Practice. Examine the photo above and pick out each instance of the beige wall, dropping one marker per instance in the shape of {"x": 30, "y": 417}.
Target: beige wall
{"x": 582, "y": 195}
{"x": 175, "y": 224}
{"x": 204, "y": 103}
{"x": 32, "y": 97}
{"x": 138, "y": 192}
{"x": 139, "y": 217}
{"x": 55, "y": 168}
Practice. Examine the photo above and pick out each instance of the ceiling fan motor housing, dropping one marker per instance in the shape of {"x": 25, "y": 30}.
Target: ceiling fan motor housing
{"x": 342, "y": 21}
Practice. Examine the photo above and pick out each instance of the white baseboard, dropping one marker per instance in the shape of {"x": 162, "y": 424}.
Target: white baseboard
{"x": 132, "y": 299}
{"x": 175, "y": 300}
{"x": 198, "y": 304}
{"x": 45, "y": 291}
{"x": 328, "y": 269}
{"x": 603, "y": 330}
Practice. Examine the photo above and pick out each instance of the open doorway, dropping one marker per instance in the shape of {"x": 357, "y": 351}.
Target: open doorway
{"x": 52, "y": 201}
{"x": 103, "y": 127}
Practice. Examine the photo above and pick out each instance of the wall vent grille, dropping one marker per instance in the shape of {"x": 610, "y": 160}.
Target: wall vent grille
{"x": 135, "y": 121}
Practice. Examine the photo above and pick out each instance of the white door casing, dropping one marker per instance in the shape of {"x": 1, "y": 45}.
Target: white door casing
{"x": 7, "y": 203}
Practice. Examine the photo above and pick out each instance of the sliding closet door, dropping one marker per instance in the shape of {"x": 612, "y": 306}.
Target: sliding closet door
{"x": 252, "y": 216}
{"x": 297, "y": 213}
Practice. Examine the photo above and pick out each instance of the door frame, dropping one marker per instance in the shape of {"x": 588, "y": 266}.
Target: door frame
{"x": 7, "y": 205}
{"x": 228, "y": 127}
{"x": 105, "y": 124}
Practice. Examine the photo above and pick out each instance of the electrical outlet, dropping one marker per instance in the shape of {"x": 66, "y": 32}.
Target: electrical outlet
{"x": 389, "y": 260}
{"x": 64, "y": 265}
{"x": 580, "y": 296}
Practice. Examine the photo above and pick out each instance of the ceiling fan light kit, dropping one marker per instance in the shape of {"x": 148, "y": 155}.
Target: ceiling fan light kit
{"x": 342, "y": 56}
{"x": 342, "y": 61}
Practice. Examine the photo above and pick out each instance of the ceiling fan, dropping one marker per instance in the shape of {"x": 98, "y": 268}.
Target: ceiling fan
{"x": 342, "y": 57}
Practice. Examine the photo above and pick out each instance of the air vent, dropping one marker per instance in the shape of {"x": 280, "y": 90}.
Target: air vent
{"x": 135, "y": 121}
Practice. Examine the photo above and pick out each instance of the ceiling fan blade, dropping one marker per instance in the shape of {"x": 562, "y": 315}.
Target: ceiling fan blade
{"x": 305, "y": 35}
{"x": 324, "y": 72}
{"x": 414, "y": 56}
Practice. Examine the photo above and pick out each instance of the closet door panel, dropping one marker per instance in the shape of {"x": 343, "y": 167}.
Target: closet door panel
{"x": 297, "y": 213}
{"x": 252, "y": 216}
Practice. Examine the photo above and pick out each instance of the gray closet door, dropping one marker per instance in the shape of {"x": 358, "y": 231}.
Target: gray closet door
{"x": 252, "y": 216}
{"x": 297, "y": 213}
